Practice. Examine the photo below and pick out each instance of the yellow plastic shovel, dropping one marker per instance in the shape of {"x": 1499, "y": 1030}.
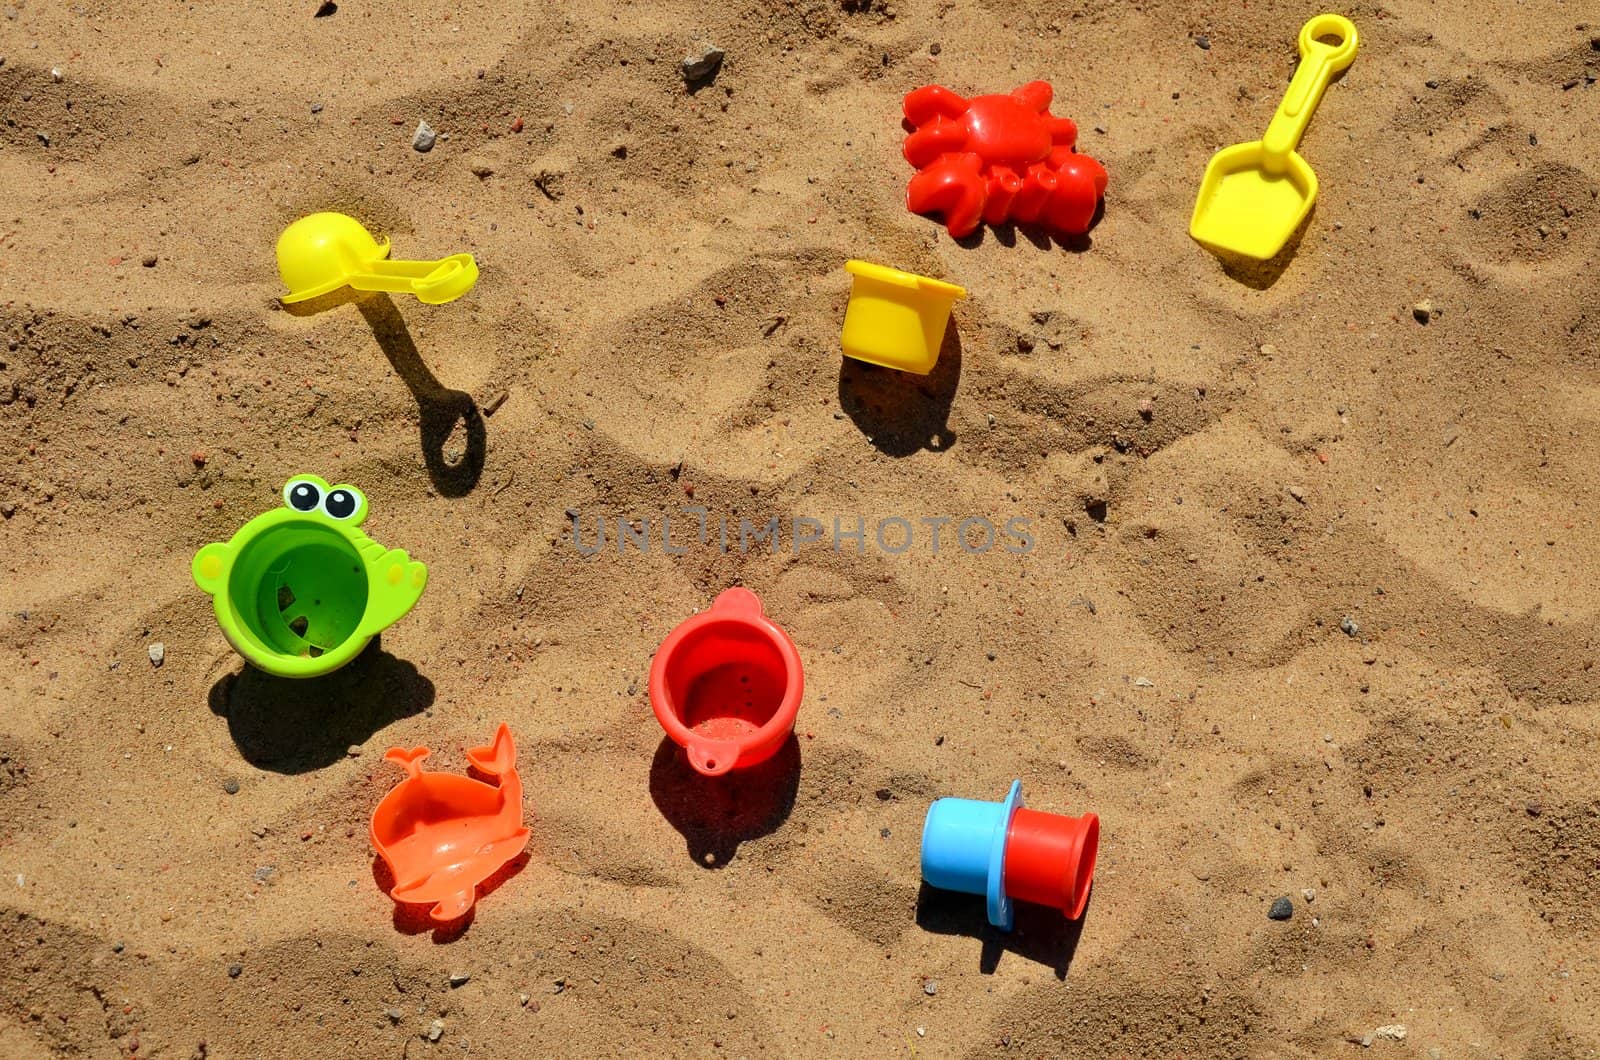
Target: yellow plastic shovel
{"x": 323, "y": 252}
{"x": 1255, "y": 195}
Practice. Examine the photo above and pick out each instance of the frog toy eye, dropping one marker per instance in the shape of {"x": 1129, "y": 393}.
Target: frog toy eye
{"x": 345, "y": 504}
{"x": 302, "y": 495}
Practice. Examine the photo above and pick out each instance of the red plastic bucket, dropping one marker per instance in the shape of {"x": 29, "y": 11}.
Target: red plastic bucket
{"x": 726, "y": 685}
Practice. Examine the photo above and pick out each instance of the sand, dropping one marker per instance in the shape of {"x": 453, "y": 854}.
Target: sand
{"x": 1219, "y": 466}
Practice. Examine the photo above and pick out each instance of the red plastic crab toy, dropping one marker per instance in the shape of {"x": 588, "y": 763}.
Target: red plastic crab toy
{"x": 998, "y": 158}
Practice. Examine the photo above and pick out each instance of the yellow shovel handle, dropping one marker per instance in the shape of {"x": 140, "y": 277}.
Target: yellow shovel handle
{"x": 430, "y": 281}
{"x": 1319, "y": 61}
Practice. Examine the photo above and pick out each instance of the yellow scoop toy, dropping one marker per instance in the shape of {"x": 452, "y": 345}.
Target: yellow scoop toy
{"x": 326, "y": 251}
{"x": 1255, "y": 195}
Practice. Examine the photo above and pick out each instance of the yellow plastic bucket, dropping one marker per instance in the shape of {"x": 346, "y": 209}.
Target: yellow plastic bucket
{"x": 896, "y": 319}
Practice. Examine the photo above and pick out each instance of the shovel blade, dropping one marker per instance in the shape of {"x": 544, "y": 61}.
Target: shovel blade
{"x": 1247, "y": 209}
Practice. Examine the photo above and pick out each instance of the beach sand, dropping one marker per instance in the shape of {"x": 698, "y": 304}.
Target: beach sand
{"x": 1219, "y": 466}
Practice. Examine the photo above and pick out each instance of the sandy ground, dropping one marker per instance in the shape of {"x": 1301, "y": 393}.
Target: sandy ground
{"x": 1220, "y": 466}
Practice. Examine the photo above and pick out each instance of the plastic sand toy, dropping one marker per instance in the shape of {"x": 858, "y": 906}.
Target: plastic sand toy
{"x": 999, "y": 158}
{"x": 323, "y": 252}
{"x": 443, "y": 834}
{"x": 896, "y": 319}
{"x": 1255, "y": 195}
{"x": 1007, "y": 853}
{"x": 726, "y": 685}
{"x": 299, "y": 591}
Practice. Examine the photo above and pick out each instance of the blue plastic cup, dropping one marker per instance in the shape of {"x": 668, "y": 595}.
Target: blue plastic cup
{"x": 964, "y": 849}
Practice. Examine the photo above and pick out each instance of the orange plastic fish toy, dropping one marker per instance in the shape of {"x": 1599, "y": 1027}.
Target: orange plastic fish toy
{"x": 443, "y": 834}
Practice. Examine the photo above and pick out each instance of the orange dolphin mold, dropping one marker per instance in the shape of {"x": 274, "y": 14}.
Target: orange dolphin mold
{"x": 443, "y": 834}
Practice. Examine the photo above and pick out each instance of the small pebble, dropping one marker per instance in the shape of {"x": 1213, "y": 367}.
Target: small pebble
{"x": 459, "y": 978}
{"x": 1309, "y": 894}
{"x": 1282, "y": 909}
{"x": 149, "y": 261}
{"x": 931, "y": 987}
{"x": 1349, "y": 626}
{"x": 316, "y": 108}
{"x": 118, "y": 946}
{"x": 435, "y": 1030}
{"x": 1394, "y": 1032}
{"x": 696, "y": 67}
{"x": 1424, "y": 311}
{"x": 1203, "y": 43}
{"x": 264, "y": 873}
{"x": 354, "y": 750}
{"x": 482, "y": 170}
{"x": 56, "y": 75}
{"x": 1297, "y": 493}
{"x": 422, "y": 140}
{"x": 395, "y": 1015}
{"x": 231, "y": 786}
{"x": 158, "y": 653}
{"x": 235, "y": 971}
{"x": 1534, "y": 809}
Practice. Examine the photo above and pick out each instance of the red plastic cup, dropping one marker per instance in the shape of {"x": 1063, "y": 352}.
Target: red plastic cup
{"x": 1050, "y": 859}
{"x": 726, "y": 685}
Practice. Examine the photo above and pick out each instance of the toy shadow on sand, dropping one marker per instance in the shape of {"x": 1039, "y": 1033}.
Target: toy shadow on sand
{"x": 901, "y": 413}
{"x": 1042, "y": 935}
{"x": 715, "y": 814}
{"x": 1261, "y": 275}
{"x": 289, "y": 725}
{"x": 439, "y": 408}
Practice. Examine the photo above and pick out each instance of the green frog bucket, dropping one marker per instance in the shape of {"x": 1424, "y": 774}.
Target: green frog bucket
{"x": 299, "y": 591}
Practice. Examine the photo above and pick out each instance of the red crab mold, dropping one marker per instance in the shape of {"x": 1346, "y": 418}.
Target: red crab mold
{"x": 998, "y": 158}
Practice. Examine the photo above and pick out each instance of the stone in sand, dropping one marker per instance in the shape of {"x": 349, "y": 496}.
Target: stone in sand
{"x": 699, "y": 65}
